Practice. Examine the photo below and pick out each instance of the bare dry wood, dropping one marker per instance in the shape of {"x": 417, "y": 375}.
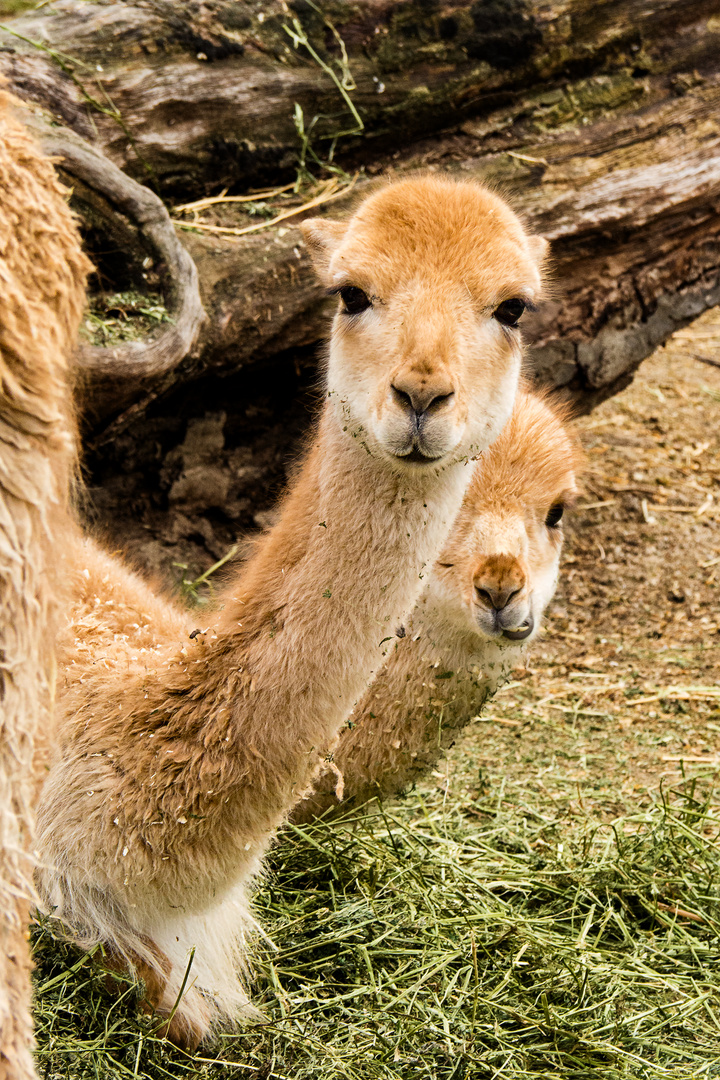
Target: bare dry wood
{"x": 599, "y": 119}
{"x": 112, "y": 378}
{"x": 630, "y": 203}
{"x": 192, "y": 94}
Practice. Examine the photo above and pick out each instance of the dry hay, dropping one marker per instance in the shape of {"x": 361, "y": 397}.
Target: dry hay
{"x": 432, "y": 944}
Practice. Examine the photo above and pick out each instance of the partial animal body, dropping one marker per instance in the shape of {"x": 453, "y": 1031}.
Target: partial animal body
{"x": 42, "y": 295}
{"x": 481, "y": 608}
{"x": 177, "y": 762}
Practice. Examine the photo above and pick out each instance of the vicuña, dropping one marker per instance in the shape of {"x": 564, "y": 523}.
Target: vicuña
{"x": 480, "y": 610}
{"x": 42, "y": 296}
{"x": 177, "y": 765}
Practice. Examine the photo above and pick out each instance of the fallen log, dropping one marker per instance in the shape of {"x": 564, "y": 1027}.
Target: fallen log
{"x": 193, "y": 96}
{"x": 620, "y": 169}
{"x": 136, "y": 223}
{"x": 631, "y": 205}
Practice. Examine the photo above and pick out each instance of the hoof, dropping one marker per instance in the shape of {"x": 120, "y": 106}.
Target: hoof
{"x": 183, "y": 1034}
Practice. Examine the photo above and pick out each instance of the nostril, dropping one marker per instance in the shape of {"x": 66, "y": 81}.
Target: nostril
{"x": 440, "y": 399}
{"x": 402, "y": 398}
{"x": 509, "y": 596}
{"x": 485, "y": 597}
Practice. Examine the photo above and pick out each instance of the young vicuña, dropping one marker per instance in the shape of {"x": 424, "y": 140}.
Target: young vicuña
{"x": 176, "y": 765}
{"x": 481, "y": 608}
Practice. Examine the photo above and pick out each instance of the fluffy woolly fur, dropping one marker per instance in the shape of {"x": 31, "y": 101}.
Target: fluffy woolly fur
{"x": 178, "y": 763}
{"x": 42, "y": 295}
{"x": 504, "y": 549}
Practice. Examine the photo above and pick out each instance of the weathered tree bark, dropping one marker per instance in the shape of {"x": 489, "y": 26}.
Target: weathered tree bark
{"x": 111, "y": 379}
{"x": 630, "y": 203}
{"x": 599, "y": 119}
{"x": 200, "y": 93}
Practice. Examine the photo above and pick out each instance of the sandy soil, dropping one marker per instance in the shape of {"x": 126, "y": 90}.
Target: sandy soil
{"x": 622, "y": 694}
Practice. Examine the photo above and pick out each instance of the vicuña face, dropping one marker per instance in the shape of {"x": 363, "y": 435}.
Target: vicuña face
{"x": 432, "y": 277}
{"x": 499, "y": 570}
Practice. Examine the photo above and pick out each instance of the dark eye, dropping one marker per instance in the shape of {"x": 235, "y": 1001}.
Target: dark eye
{"x": 354, "y": 299}
{"x": 509, "y": 312}
{"x": 554, "y": 514}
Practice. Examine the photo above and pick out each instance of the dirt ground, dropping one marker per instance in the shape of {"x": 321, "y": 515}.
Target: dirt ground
{"x": 622, "y": 694}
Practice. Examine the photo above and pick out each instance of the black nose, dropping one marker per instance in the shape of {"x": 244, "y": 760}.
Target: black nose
{"x": 419, "y": 399}
{"x": 495, "y": 599}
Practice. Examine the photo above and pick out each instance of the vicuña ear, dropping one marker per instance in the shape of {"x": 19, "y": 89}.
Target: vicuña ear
{"x": 539, "y": 248}
{"x": 322, "y": 238}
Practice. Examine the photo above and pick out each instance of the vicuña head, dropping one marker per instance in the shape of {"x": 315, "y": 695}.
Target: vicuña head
{"x": 482, "y": 606}
{"x": 499, "y": 567}
{"x": 432, "y": 277}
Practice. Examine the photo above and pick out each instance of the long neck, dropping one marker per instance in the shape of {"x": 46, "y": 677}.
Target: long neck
{"x": 438, "y": 677}
{"x": 224, "y": 736}
{"x": 325, "y": 594}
